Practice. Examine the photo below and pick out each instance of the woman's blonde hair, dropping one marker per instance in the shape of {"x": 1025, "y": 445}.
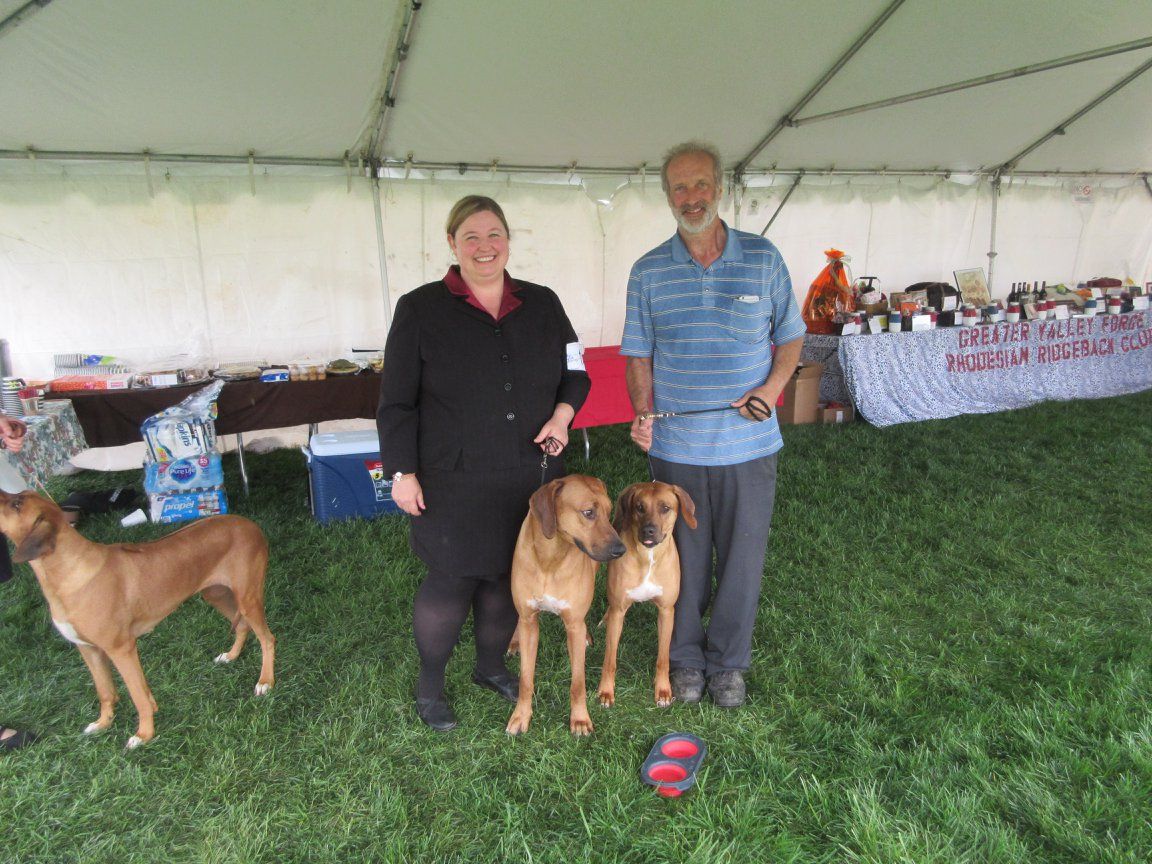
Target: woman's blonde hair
{"x": 469, "y": 206}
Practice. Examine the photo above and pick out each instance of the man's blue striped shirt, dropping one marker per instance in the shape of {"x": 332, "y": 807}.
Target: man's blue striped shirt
{"x": 710, "y": 332}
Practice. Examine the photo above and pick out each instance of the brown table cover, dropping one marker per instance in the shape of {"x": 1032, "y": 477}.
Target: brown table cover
{"x": 110, "y": 418}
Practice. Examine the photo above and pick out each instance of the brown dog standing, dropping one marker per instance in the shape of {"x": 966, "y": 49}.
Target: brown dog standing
{"x": 567, "y": 530}
{"x": 649, "y": 570}
{"x": 102, "y": 597}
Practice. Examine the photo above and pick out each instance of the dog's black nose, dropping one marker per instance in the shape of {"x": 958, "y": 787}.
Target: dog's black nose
{"x": 616, "y": 549}
{"x": 648, "y": 532}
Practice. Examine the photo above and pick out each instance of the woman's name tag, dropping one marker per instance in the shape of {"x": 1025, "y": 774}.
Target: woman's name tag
{"x": 575, "y": 352}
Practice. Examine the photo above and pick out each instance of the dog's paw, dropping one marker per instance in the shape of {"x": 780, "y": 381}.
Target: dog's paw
{"x": 607, "y": 698}
{"x": 518, "y": 724}
{"x": 134, "y": 742}
{"x": 663, "y": 701}
{"x": 93, "y": 728}
{"x": 581, "y": 726}
{"x": 222, "y": 658}
{"x": 263, "y": 689}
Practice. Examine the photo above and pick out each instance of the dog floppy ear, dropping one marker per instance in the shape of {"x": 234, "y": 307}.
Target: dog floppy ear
{"x": 687, "y": 507}
{"x": 38, "y": 542}
{"x": 623, "y": 520}
{"x": 543, "y": 507}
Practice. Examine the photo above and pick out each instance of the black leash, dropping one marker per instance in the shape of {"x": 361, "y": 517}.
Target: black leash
{"x": 756, "y": 406}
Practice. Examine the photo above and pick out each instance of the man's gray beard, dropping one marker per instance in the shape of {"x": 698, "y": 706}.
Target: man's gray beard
{"x": 710, "y": 214}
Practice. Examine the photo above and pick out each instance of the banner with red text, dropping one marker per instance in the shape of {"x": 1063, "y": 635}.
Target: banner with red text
{"x": 899, "y": 377}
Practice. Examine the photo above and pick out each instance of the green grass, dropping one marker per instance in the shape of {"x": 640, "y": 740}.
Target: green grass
{"x": 951, "y": 664}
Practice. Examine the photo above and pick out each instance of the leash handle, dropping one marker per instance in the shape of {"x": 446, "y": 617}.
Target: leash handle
{"x": 551, "y": 445}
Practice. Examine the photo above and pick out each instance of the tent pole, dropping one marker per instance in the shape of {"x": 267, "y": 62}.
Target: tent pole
{"x": 787, "y": 195}
{"x": 1063, "y": 127}
{"x": 787, "y": 120}
{"x": 20, "y": 15}
{"x": 375, "y": 146}
{"x": 978, "y": 82}
{"x": 992, "y": 237}
{"x": 393, "y": 164}
{"x": 384, "y": 288}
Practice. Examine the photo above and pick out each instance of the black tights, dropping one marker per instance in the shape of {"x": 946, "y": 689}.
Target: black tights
{"x": 441, "y": 607}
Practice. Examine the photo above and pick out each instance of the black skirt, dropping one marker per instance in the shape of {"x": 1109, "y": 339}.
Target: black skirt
{"x": 471, "y": 519}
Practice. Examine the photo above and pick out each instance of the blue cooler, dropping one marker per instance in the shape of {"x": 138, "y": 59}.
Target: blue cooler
{"x": 345, "y": 477}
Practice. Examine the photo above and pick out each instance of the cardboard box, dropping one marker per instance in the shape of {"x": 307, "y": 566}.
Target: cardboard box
{"x": 69, "y": 383}
{"x": 346, "y": 478}
{"x": 802, "y": 395}
{"x": 837, "y": 413}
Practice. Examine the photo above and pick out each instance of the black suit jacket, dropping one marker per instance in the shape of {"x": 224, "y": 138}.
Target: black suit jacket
{"x": 461, "y": 392}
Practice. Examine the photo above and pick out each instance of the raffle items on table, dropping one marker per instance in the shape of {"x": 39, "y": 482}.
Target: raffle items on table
{"x": 829, "y": 294}
{"x": 182, "y": 473}
{"x": 928, "y": 305}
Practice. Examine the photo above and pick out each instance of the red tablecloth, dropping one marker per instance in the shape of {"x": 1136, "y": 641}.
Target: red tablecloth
{"x": 608, "y": 402}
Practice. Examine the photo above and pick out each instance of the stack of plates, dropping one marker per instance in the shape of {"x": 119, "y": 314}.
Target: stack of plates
{"x": 10, "y": 396}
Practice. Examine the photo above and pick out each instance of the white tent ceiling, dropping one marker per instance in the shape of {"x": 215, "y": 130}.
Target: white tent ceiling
{"x": 603, "y": 84}
{"x": 301, "y": 254}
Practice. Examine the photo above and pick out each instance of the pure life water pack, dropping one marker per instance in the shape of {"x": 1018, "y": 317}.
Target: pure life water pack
{"x": 183, "y": 476}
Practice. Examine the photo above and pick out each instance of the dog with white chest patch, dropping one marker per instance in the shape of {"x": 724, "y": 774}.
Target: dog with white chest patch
{"x": 567, "y": 530}
{"x": 103, "y": 597}
{"x": 646, "y": 513}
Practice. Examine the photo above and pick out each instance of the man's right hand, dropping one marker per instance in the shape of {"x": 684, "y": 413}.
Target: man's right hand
{"x": 642, "y": 432}
{"x": 408, "y": 494}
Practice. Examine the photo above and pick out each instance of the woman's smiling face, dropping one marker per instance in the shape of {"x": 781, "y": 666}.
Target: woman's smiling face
{"x": 481, "y": 247}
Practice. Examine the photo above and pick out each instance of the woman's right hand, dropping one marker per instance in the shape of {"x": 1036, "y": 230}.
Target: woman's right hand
{"x": 408, "y": 494}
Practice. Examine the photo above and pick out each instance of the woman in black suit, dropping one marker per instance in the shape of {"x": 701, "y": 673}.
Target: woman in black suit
{"x": 482, "y": 376}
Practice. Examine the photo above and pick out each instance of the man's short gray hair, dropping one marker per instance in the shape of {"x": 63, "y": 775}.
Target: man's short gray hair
{"x": 692, "y": 147}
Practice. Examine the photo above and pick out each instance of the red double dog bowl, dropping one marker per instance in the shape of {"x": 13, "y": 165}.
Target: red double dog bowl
{"x": 672, "y": 763}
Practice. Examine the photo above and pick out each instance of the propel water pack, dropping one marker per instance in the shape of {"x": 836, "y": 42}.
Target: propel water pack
{"x": 185, "y": 506}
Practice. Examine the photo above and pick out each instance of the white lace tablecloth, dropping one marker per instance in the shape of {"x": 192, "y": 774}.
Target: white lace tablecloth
{"x": 819, "y": 348}
{"x": 901, "y": 377}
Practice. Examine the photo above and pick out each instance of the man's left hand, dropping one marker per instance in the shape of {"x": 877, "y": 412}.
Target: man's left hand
{"x": 769, "y": 395}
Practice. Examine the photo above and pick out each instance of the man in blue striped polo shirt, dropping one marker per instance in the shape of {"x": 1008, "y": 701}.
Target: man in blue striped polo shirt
{"x": 705, "y": 310}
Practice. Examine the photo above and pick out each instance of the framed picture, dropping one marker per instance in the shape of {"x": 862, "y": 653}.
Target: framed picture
{"x": 973, "y": 286}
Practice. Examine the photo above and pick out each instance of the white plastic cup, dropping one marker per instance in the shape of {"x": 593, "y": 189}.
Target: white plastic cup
{"x": 136, "y": 517}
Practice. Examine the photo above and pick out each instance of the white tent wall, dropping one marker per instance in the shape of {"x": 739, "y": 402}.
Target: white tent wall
{"x": 556, "y": 240}
{"x": 203, "y": 269}
{"x": 207, "y": 269}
